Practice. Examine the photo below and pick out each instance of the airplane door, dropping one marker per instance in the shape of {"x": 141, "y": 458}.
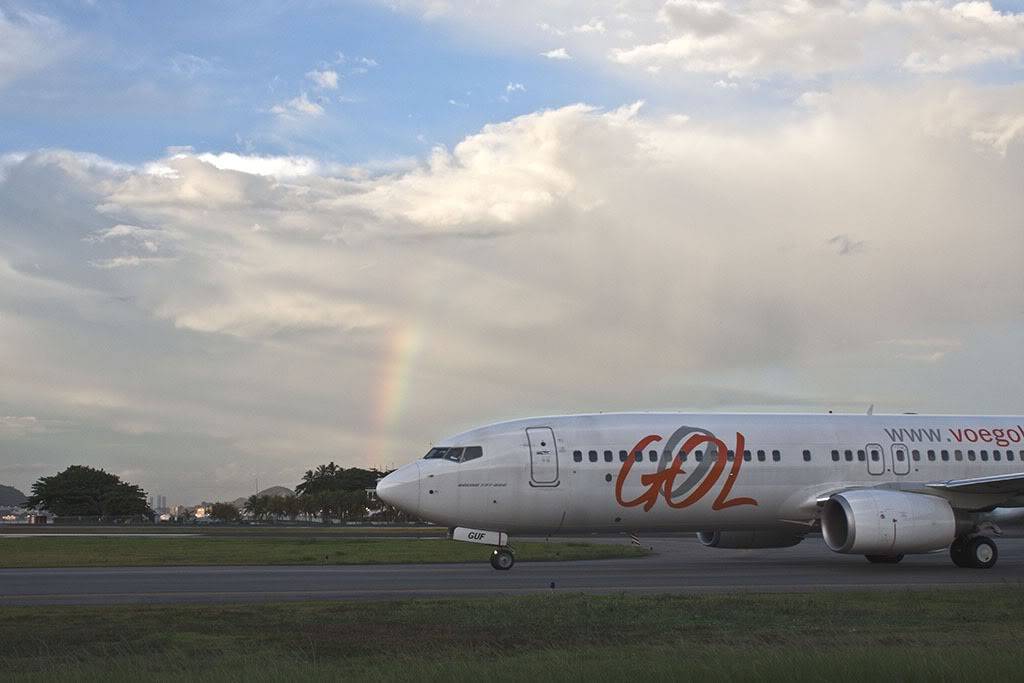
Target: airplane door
{"x": 876, "y": 458}
{"x": 543, "y": 456}
{"x": 900, "y": 459}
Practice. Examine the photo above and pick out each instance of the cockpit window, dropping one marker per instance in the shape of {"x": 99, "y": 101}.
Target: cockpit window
{"x": 454, "y": 454}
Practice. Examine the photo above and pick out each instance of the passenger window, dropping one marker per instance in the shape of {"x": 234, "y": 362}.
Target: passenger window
{"x": 971, "y": 456}
{"x": 1009, "y": 456}
{"x": 848, "y": 454}
{"x": 835, "y": 456}
{"x": 699, "y": 456}
{"x": 623, "y": 455}
{"x": 653, "y": 455}
{"x": 997, "y": 456}
{"x": 931, "y": 455}
{"x": 984, "y": 456}
{"x": 861, "y": 455}
{"x": 874, "y": 455}
{"x": 900, "y": 455}
{"x": 776, "y": 456}
{"x": 760, "y": 456}
{"x": 608, "y": 456}
{"x": 958, "y": 455}
{"x": 472, "y": 453}
{"x": 945, "y": 455}
{"x": 807, "y": 456}
{"x": 577, "y": 456}
{"x": 729, "y": 455}
{"x": 682, "y": 456}
{"x": 747, "y": 456}
{"x": 592, "y": 455}
{"x": 916, "y": 455}
{"x": 639, "y": 456}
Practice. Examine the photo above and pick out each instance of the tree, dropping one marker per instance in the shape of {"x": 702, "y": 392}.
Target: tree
{"x": 336, "y": 492}
{"x": 291, "y": 507}
{"x": 225, "y": 511}
{"x": 257, "y": 507}
{"x": 81, "y": 491}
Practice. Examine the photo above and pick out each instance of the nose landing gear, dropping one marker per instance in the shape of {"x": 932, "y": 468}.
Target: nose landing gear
{"x": 975, "y": 552}
{"x": 502, "y": 559}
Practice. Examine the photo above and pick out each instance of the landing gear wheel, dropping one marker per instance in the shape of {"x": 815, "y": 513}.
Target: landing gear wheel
{"x": 884, "y": 559}
{"x": 502, "y": 559}
{"x": 981, "y": 552}
{"x": 958, "y": 553}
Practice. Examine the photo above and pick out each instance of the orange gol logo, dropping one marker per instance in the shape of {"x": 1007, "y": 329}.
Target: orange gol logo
{"x": 700, "y": 481}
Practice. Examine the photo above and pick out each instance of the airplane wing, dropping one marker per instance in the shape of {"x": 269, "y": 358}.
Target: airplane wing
{"x": 1008, "y": 484}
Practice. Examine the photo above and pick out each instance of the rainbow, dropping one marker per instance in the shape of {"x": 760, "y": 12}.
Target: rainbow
{"x": 393, "y": 386}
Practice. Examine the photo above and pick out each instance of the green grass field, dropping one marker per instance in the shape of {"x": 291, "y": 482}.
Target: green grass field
{"x": 905, "y": 635}
{"x": 100, "y": 551}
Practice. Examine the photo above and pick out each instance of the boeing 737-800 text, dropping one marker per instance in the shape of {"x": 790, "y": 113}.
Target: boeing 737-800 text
{"x": 882, "y": 486}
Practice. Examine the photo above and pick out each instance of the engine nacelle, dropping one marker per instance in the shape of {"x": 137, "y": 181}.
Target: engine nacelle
{"x": 879, "y": 522}
{"x": 753, "y": 538}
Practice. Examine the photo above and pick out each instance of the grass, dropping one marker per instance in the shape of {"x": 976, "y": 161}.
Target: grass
{"x": 100, "y": 551}
{"x": 925, "y": 636}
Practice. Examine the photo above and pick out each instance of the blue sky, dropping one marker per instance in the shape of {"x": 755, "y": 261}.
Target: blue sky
{"x": 147, "y": 76}
{"x": 238, "y": 240}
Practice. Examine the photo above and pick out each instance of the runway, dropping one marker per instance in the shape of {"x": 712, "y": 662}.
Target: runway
{"x": 681, "y": 565}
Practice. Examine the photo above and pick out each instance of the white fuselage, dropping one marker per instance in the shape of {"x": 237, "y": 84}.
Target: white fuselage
{"x": 582, "y": 473}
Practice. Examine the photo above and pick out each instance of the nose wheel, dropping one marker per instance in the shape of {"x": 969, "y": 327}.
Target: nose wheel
{"x": 974, "y": 552}
{"x": 502, "y": 559}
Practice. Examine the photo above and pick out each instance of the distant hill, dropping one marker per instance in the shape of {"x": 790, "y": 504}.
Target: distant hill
{"x": 11, "y": 496}
{"x": 272, "y": 491}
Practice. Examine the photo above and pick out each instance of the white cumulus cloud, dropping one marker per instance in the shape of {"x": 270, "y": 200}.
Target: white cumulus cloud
{"x": 558, "y": 53}
{"x": 325, "y": 80}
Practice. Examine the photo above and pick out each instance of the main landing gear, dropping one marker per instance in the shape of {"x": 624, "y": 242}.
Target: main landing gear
{"x": 975, "y": 552}
{"x": 502, "y": 559}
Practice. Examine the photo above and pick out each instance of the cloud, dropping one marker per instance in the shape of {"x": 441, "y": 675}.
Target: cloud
{"x": 510, "y": 89}
{"x": 298, "y": 107}
{"x": 190, "y": 66}
{"x": 276, "y": 166}
{"x": 643, "y": 260}
{"x": 682, "y": 41}
{"x": 325, "y": 80}
{"x": 559, "y": 53}
{"x": 803, "y": 40}
{"x": 845, "y": 246}
{"x": 29, "y": 42}
{"x": 592, "y": 26}
{"x": 922, "y": 350}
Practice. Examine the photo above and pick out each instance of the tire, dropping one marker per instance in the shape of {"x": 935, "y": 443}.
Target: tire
{"x": 958, "y": 553}
{"x": 502, "y": 559}
{"x": 981, "y": 552}
{"x": 884, "y": 559}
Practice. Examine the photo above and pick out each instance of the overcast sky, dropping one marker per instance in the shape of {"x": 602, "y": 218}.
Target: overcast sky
{"x": 239, "y": 241}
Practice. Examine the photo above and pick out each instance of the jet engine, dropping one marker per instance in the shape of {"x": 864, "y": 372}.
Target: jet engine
{"x": 880, "y": 522}
{"x": 753, "y": 538}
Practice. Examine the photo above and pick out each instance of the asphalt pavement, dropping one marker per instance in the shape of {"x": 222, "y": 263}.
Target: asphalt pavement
{"x": 680, "y": 565}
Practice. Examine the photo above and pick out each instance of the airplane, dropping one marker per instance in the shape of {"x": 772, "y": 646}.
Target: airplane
{"x": 882, "y": 486}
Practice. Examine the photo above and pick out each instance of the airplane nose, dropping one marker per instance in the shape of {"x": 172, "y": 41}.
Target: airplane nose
{"x": 401, "y": 488}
